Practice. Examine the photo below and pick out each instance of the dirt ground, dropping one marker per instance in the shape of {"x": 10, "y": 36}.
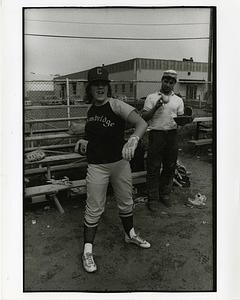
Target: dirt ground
{"x": 181, "y": 257}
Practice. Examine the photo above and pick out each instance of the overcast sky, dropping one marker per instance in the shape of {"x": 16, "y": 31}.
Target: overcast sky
{"x": 46, "y": 56}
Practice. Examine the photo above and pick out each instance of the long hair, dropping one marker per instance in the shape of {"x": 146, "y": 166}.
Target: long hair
{"x": 88, "y": 94}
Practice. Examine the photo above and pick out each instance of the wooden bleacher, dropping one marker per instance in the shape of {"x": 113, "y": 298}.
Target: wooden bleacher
{"x": 203, "y": 125}
{"x": 54, "y": 189}
{"x": 57, "y": 162}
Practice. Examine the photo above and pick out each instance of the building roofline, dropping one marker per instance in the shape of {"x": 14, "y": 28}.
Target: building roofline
{"x": 122, "y": 61}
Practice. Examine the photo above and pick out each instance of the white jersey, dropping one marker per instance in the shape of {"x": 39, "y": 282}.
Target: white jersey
{"x": 163, "y": 117}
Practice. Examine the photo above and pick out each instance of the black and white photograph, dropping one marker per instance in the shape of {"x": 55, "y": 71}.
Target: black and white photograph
{"x": 118, "y": 188}
{"x": 119, "y": 150}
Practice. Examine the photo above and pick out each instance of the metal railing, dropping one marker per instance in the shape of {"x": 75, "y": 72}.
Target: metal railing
{"x": 51, "y": 106}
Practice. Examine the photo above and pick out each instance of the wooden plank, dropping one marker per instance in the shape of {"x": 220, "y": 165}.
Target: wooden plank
{"x": 52, "y": 188}
{"x": 54, "y": 120}
{"x": 202, "y": 119}
{"x": 47, "y": 130}
{"x": 53, "y": 136}
{"x": 201, "y": 142}
{"x": 59, "y": 146}
{"x": 138, "y": 177}
{"x": 56, "y": 158}
{"x": 58, "y": 205}
{"x": 205, "y": 129}
{"x": 75, "y": 165}
{"x": 37, "y": 107}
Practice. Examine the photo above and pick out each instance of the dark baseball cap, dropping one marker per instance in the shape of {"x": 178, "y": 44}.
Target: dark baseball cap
{"x": 98, "y": 73}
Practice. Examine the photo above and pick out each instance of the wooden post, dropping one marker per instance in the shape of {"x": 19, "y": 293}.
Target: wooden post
{"x": 210, "y": 57}
{"x": 197, "y": 131}
{"x": 68, "y": 100}
{"x": 31, "y": 131}
{"x": 58, "y": 205}
{"x": 48, "y": 172}
{"x": 68, "y": 106}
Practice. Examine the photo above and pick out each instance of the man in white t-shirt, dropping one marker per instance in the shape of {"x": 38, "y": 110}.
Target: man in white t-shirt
{"x": 160, "y": 109}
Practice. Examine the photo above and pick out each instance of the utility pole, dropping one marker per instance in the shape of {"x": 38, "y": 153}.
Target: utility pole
{"x": 210, "y": 59}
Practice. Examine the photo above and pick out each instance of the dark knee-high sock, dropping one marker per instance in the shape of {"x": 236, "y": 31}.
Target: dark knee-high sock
{"x": 89, "y": 234}
{"x": 127, "y": 223}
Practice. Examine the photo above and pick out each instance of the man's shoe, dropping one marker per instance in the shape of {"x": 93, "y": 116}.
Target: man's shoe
{"x": 88, "y": 262}
{"x": 152, "y": 206}
{"x": 137, "y": 240}
{"x": 166, "y": 200}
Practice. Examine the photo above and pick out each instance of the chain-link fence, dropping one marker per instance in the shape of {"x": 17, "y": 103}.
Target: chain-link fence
{"x": 50, "y": 106}
{"x": 72, "y": 92}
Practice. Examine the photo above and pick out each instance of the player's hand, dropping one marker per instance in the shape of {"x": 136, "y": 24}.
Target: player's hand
{"x": 130, "y": 147}
{"x": 81, "y": 146}
{"x": 159, "y": 103}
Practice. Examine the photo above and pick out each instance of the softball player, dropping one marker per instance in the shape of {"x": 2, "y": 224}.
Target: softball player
{"x": 108, "y": 157}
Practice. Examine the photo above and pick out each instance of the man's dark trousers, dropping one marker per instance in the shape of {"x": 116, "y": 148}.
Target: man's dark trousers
{"x": 162, "y": 153}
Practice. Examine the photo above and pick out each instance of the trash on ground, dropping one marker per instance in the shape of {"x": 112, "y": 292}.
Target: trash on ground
{"x": 78, "y": 191}
{"x": 164, "y": 213}
{"x": 48, "y": 226}
{"x": 26, "y": 180}
{"x": 167, "y": 244}
{"x": 198, "y": 201}
{"x": 46, "y": 207}
{"x": 181, "y": 176}
{"x": 134, "y": 191}
{"x": 34, "y": 222}
{"x": 204, "y": 222}
{"x": 44, "y": 275}
{"x": 198, "y": 156}
{"x": 75, "y": 275}
{"x": 140, "y": 200}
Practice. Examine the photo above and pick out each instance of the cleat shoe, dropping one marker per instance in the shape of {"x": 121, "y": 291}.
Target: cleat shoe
{"x": 88, "y": 262}
{"x": 137, "y": 240}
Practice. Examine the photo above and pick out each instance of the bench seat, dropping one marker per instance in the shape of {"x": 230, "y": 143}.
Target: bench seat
{"x": 137, "y": 177}
{"x": 53, "y": 189}
{"x": 201, "y": 142}
{"x": 56, "y": 158}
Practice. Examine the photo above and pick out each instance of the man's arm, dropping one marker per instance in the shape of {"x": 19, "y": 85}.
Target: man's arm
{"x": 147, "y": 115}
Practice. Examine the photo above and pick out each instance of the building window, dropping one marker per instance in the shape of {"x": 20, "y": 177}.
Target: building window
{"x": 115, "y": 88}
{"x": 74, "y": 88}
{"x": 131, "y": 88}
{"x": 191, "y": 91}
{"x": 151, "y": 64}
{"x": 165, "y": 65}
{"x": 205, "y": 67}
{"x": 62, "y": 91}
{"x": 172, "y": 64}
{"x": 123, "y": 88}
